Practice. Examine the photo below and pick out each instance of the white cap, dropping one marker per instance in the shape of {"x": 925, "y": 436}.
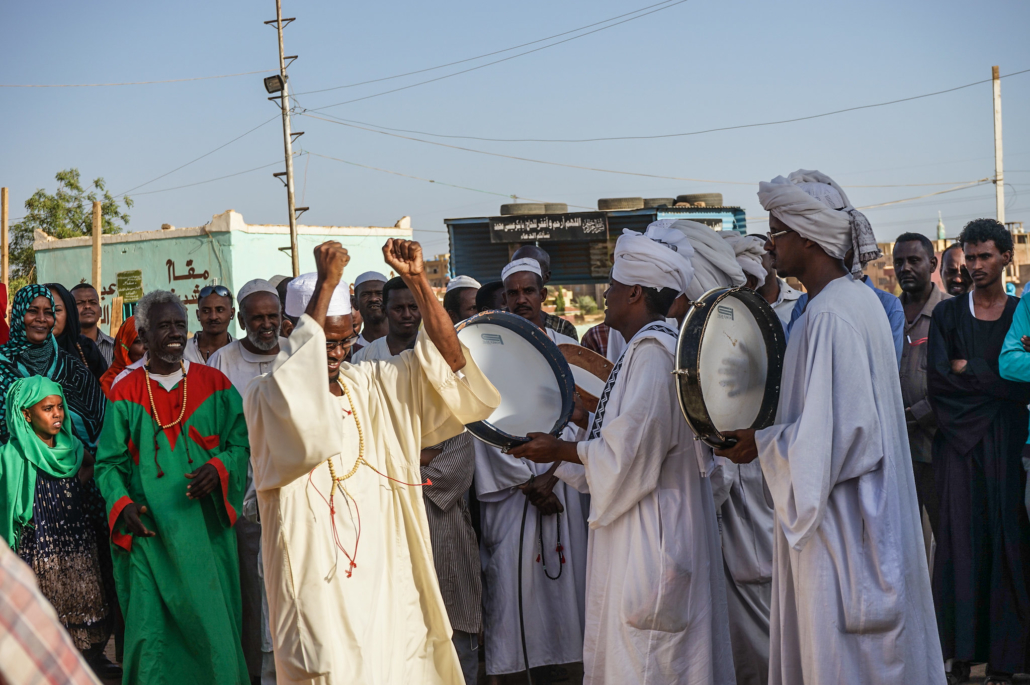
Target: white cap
{"x": 301, "y": 289}
{"x": 369, "y": 276}
{"x": 524, "y": 264}
{"x": 274, "y": 281}
{"x": 462, "y": 282}
{"x": 258, "y": 285}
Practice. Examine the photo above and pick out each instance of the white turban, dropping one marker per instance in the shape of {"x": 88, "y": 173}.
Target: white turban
{"x": 302, "y": 288}
{"x": 657, "y": 259}
{"x": 462, "y": 282}
{"x": 524, "y": 264}
{"x": 715, "y": 263}
{"x": 369, "y": 276}
{"x": 811, "y": 203}
{"x": 749, "y": 250}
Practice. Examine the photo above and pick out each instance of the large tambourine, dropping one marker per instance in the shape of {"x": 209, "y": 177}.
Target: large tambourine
{"x": 534, "y": 380}
{"x": 729, "y": 361}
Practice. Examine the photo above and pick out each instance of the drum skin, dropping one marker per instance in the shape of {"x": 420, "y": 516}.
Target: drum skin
{"x": 693, "y": 376}
{"x": 532, "y": 400}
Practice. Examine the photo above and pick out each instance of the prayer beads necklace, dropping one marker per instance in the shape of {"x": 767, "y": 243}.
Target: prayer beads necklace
{"x": 156, "y": 418}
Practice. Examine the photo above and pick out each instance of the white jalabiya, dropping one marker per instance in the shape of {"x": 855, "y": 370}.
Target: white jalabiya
{"x": 851, "y": 596}
{"x": 553, "y": 609}
{"x": 373, "y": 351}
{"x": 656, "y": 601}
{"x": 383, "y": 620}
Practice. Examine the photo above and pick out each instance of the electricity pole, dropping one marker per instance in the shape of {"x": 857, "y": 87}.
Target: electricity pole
{"x": 999, "y": 172}
{"x": 283, "y": 86}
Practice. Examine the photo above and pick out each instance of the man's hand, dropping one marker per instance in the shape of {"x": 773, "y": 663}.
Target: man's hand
{"x": 745, "y": 451}
{"x": 1025, "y": 340}
{"x": 580, "y": 415}
{"x": 330, "y": 259}
{"x": 540, "y": 493}
{"x": 85, "y": 473}
{"x": 542, "y": 449}
{"x": 958, "y": 365}
{"x": 548, "y": 505}
{"x": 404, "y": 257}
{"x": 205, "y": 480}
{"x": 130, "y": 519}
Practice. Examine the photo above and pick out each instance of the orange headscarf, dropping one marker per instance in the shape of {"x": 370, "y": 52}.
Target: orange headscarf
{"x": 120, "y": 359}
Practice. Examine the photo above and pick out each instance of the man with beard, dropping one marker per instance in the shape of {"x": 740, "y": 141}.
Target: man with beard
{"x": 352, "y": 591}
{"x": 171, "y": 464}
{"x": 953, "y": 271}
{"x": 87, "y": 301}
{"x": 368, "y": 300}
{"x": 215, "y": 312}
{"x": 980, "y": 572}
{"x": 241, "y": 360}
{"x": 403, "y": 320}
{"x": 551, "y": 321}
{"x": 914, "y": 263}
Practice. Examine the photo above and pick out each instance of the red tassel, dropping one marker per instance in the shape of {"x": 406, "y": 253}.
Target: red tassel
{"x": 538, "y": 558}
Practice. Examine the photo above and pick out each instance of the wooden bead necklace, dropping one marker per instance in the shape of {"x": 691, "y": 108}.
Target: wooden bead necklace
{"x": 157, "y": 418}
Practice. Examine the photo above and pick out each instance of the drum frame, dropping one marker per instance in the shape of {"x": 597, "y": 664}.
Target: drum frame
{"x": 688, "y": 371}
{"x": 489, "y": 433}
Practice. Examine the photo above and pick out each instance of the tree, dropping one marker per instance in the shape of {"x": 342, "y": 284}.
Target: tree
{"x": 68, "y": 213}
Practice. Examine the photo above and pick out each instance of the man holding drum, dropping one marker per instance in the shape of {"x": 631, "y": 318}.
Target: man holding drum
{"x": 656, "y": 600}
{"x": 851, "y": 593}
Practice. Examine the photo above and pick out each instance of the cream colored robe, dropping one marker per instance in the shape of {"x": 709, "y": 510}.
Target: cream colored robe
{"x": 385, "y": 622}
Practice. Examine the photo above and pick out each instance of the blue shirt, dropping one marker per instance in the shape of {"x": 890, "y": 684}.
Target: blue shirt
{"x": 891, "y": 305}
{"x": 1014, "y": 362}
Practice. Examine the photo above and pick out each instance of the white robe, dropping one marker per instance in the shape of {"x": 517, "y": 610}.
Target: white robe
{"x": 851, "y": 598}
{"x": 386, "y": 623}
{"x": 656, "y": 601}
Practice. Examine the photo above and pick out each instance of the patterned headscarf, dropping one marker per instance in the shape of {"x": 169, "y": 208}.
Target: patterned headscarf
{"x": 126, "y": 337}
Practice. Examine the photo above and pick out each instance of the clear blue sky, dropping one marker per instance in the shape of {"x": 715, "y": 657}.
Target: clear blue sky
{"x": 698, "y": 65}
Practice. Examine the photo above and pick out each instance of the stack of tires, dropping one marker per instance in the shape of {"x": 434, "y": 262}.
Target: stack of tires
{"x": 613, "y": 204}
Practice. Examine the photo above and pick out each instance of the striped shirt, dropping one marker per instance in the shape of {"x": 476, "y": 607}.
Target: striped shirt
{"x": 560, "y": 325}
{"x": 34, "y": 647}
{"x": 455, "y": 549}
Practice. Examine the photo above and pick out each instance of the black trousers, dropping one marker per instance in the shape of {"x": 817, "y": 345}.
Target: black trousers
{"x": 926, "y": 493}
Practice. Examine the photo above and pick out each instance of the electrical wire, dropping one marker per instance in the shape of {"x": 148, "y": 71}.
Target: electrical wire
{"x": 689, "y": 133}
{"x": 488, "y": 54}
{"x": 505, "y": 59}
{"x": 211, "y": 180}
{"x": 206, "y": 154}
{"x": 131, "y": 83}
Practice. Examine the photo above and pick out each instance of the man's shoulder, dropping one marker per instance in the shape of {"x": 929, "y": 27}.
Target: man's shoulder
{"x": 561, "y": 325}
{"x": 223, "y": 354}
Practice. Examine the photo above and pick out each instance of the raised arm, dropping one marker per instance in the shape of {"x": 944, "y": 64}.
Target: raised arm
{"x": 405, "y": 257}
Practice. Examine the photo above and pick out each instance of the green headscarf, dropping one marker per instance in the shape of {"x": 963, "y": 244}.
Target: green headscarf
{"x": 25, "y": 453}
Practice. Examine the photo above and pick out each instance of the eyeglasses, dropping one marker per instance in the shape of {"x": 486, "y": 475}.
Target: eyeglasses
{"x": 331, "y": 345}
{"x": 771, "y": 237}
{"x": 219, "y": 290}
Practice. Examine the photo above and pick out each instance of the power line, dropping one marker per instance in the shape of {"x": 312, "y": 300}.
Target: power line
{"x": 333, "y": 120}
{"x": 210, "y": 180}
{"x": 130, "y": 83}
{"x": 488, "y": 54}
{"x": 505, "y": 59}
{"x": 689, "y": 133}
{"x": 206, "y": 154}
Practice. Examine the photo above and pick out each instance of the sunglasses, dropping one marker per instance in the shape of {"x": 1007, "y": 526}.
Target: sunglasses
{"x": 219, "y": 290}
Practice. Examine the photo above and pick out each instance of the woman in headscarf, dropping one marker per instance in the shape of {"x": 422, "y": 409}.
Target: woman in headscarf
{"x": 65, "y": 543}
{"x": 68, "y": 333}
{"x": 128, "y": 348}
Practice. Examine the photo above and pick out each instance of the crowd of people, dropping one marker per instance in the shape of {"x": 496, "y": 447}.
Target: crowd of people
{"x": 303, "y": 504}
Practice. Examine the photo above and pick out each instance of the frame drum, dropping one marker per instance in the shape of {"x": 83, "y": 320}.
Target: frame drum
{"x": 528, "y": 370}
{"x": 729, "y": 360}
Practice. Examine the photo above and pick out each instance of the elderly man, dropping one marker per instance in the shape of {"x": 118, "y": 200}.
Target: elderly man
{"x": 352, "y": 591}
{"x": 459, "y": 300}
{"x": 914, "y": 264}
{"x": 656, "y": 602}
{"x": 553, "y": 572}
{"x": 851, "y": 592}
{"x": 241, "y": 360}
{"x": 953, "y": 271}
{"x": 215, "y": 312}
{"x": 368, "y": 300}
{"x": 552, "y": 321}
{"x": 88, "y": 303}
{"x": 981, "y": 569}
{"x": 171, "y": 464}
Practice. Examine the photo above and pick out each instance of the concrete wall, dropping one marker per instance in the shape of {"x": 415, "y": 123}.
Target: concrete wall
{"x": 225, "y": 251}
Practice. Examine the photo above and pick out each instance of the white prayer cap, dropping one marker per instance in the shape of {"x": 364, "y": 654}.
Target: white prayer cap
{"x": 258, "y": 285}
{"x": 301, "y": 289}
{"x": 462, "y": 282}
{"x": 749, "y": 250}
{"x": 653, "y": 261}
{"x": 277, "y": 279}
{"x": 811, "y": 203}
{"x": 524, "y": 264}
{"x": 715, "y": 263}
{"x": 370, "y": 276}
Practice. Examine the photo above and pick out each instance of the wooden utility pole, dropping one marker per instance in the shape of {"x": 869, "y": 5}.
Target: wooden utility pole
{"x": 98, "y": 230}
{"x": 287, "y": 140}
{"x": 999, "y": 171}
{"x": 5, "y": 250}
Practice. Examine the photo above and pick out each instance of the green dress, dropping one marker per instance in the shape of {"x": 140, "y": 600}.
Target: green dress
{"x": 179, "y": 590}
